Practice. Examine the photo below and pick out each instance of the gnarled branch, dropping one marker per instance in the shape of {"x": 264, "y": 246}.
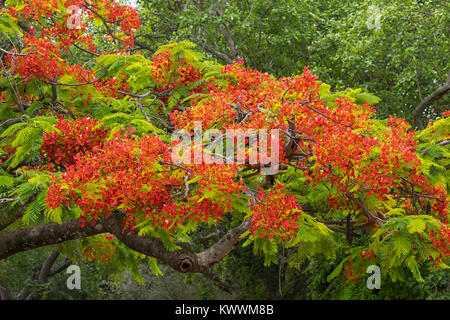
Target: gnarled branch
{"x": 183, "y": 260}
{"x": 429, "y": 100}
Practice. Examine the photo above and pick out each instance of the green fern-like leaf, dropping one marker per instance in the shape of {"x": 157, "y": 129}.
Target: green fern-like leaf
{"x": 401, "y": 244}
{"x": 54, "y": 215}
{"x": 6, "y": 181}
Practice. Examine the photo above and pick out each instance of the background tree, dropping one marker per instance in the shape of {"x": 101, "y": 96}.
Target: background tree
{"x": 86, "y": 155}
{"x": 395, "y": 49}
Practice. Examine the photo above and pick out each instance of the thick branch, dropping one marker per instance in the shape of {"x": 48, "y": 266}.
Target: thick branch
{"x": 223, "y": 247}
{"x": 218, "y": 54}
{"x": 5, "y": 294}
{"x": 443, "y": 142}
{"x": 183, "y": 260}
{"x": 226, "y": 286}
{"x": 42, "y": 277}
{"x": 227, "y": 34}
{"x": 44, "y": 273}
{"x": 62, "y": 266}
{"x": 436, "y": 95}
{"x": 369, "y": 213}
{"x": 22, "y": 240}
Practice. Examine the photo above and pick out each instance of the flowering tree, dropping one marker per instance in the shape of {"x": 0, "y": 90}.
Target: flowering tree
{"x": 87, "y": 154}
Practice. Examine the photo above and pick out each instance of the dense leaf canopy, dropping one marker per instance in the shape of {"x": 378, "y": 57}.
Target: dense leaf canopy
{"x": 88, "y": 119}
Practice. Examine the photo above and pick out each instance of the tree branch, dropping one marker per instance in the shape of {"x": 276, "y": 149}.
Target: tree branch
{"x": 223, "y": 247}
{"x": 43, "y": 275}
{"x": 226, "y": 286}
{"x": 183, "y": 260}
{"x": 22, "y": 240}
{"x": 5, "y": 294}
{"x": 66, "y": 263}
{"x": 429, "y": 100}
{"x": 218, "y": 54}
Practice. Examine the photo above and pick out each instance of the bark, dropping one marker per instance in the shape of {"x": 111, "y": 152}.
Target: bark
{"x": 45, "y": 273}
{"x": 41, "y": 278}
{"x": 429, "y": 100}
{"x": 443, "y": 142}
{"x": 22, "y": 240}
{"x": 228, "y": 37}
{"x": 223, "y": 247}
{"x": 225, "y": 286}
{"x": 62, "y": 266}
{"x": 5, "y": 294}
{"x": 218, "y": 54}
{"x": 45, "y": 270}
{"x": 183, "y": 260}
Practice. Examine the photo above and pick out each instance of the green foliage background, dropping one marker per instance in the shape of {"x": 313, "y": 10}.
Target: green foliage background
{"x": 401, "y": 60}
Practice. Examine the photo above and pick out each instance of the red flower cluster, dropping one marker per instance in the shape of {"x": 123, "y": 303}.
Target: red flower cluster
{"x": 251, "y": 92}
{"x": 219, "y": 175}
{"x": 120, "y": 16}
{"x": 198, "y": 210}
{"x": 108, "y": 87}
{"x": 75, "y": 137}
{"x": 126, "y": 17}
{"x": 123, "y": 175}
{"x": 350, "y": 273}
{"x": 35, "y": 9}
{"x": 367, "y": 254}
{"x": 438, "y": 205}
{"x": 217, "y": 179}
{"x": 133, "y": 176}
{"x": 42, "y": 60}
{"x": 69, "y": 36}
{"x": 441, "y": 243}
{"x": 275, "y": 215}
{"x": 101, "y": 251}
{"x": 346, "y": 147}
{"x": 168, "y": 75}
